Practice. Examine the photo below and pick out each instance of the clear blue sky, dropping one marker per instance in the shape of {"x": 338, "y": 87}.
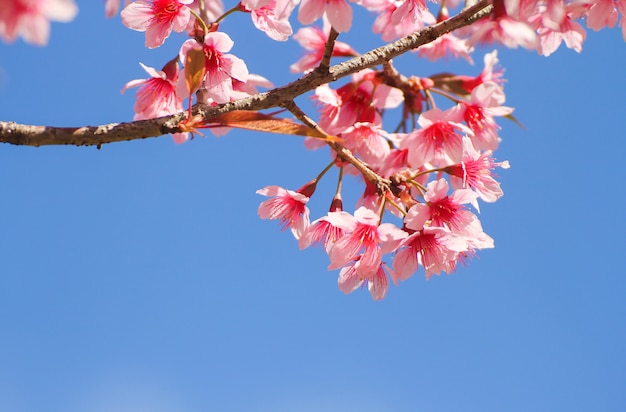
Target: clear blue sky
{"x": 139, "y": 278}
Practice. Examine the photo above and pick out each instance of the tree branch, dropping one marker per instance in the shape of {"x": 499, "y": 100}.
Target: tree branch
{"x": 328, "y": 51}
{"x": 19, "y": 134}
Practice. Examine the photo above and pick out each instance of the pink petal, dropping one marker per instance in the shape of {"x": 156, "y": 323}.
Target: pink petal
{"x": 339, "y": 15}
{"x": 137, "y": 15}
{"x": 311, "y": 10}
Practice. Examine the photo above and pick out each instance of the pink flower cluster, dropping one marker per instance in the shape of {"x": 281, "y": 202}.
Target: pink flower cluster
{"x": 437, "y": 171}
{"x": 545, "y": 24}
{"x": 419, "y": 212}
{"x": 422, "y": 177}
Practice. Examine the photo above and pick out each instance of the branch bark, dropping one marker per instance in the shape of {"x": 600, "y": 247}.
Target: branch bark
{"x": 27, "y": 135}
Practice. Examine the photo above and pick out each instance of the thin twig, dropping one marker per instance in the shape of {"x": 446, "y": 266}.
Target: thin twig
{"x": 382, "y": 184}
{"x": 328, "y": 51}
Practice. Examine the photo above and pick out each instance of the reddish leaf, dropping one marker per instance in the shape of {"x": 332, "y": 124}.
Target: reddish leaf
{"x": 195, "y": 69}
{"x": 244, "y": 119}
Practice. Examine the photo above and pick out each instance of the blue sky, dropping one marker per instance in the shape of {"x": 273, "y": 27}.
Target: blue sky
{"x": 138, "y": 277}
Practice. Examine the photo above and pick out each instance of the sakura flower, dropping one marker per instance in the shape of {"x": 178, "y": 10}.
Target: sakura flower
{"x": 213, "y": 10}
{"x": 367, "y": 141}
{"x": 358, "y": 101}
{"x": 322, "y": 231}
{"x": 273, "y": 17}
{"x": 221, "y": 68}
{"x": 394, "y": 163}
{"x": 157, "y": 18}
{"x": 601, "y": 14}
{"x": 287, "y": 206}
{"x": 248, "y": 88}
{"x": 438, "y": 139}
{"x": 485, "y": 102}
{"x": 441, "y": 210}
{"x": 314, "y": 39}
{"x": 502, "y": 28}
{"x": 446, "y": 45}
{"x": 157, "y": 95}
{"x": 338, "y": 12}
{"x": 350, "y": 280}
{"x": 408, "y": 9}
{"x": 450, "y": 213}
{"x": 30, "y": 19}
{"x": 398, "y": 18}
{"x": 521, "y": 8}
{"x": 568, "y": 31}
{"x": 435, "y": 249}
{"x": 364, "y": 237}
{"x": 475, "y": 172}
{"x": 490, "y": 73}
{"x": 377, "y": 284}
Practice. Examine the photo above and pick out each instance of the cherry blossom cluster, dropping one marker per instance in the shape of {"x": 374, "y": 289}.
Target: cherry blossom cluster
{"x": 422, "y": 176}
{"x": 426, "y": 175}
{"x": 436, "y": 172}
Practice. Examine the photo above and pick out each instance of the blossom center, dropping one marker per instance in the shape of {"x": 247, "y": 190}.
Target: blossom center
{"x": 165, "y": 10}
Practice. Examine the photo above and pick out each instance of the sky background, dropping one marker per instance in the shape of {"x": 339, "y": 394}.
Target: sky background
{"x": 139, "y": 278}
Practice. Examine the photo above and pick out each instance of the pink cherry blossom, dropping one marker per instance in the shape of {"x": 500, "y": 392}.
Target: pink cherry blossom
{"x": 287, "y": 206}
{"x": 502, "y": 28}
{"x": 485, "y": 102}
{"x": 272, "y": 17}
{"x": 157, "y": 18}
{"x": 213, "y": 10}
{"x": 364, "y": 237}
{"x": 368, "y": 141}
{"x": 505, "y": 30}
{"x": 314, "y": 39}
{"x": 157, "y": 96}
{"x": 475, "y": 172}
{"x": 441, "y": 210}
{"x": 30, "y": 19}
{"x": 408, "y": 9}
{"x": 491, "y": 72}
{"x": 322, "y": 231}
{"x": 436, "y": 249}
{"x": 398, "y": 18}
{"x": 550, "y": 38}
{"x": 350, "y": 280}
{"x": 446, "y": 45}
{"x": 601, "y": 14}
{"x": 338, "y": 12}
{"x": 249, "y": 87}
{"x": 377, "y": 284}
{"x": 393, "y": 163}
{"x": 221, "y": 68}
{"x": 438, "y": 139}
{"x": 358, "y": 101}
